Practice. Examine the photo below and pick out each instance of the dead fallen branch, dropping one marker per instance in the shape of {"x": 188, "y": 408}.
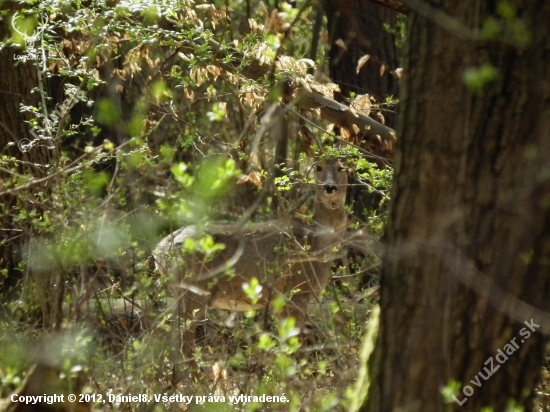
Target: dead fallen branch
{"x": 329, "y": 109}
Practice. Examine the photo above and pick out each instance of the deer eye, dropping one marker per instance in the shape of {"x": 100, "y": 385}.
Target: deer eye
{"x": 319, "y": 168}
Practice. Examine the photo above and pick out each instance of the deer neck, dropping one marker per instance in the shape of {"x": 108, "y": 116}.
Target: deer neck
{"x": 327, "y": 234}
{"x": 330, "y": 223}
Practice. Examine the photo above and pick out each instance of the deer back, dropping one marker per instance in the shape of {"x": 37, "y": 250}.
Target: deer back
{"x": 284, "y": 255}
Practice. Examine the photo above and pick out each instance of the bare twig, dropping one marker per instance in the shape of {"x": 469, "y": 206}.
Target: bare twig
{"x": 398, "y": 6}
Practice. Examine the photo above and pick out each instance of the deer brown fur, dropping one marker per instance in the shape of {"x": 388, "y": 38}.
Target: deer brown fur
{"x": 287, "y": 256}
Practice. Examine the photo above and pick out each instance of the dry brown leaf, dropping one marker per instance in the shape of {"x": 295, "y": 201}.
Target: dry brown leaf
{"x": 340, "y": 43}
{"x": 189, "y": 94}
{"x": 185, "y": 57}
{"x": 215, "y": 71}
{"x": 362, "y": 103}
{"x": 285, "y": 63}
{"x": 263, "y": 9}
{"x": 147, "y": 125}
{"x": 305, "y": 64}
{"x": 133, "y": 59}
{"x": 382, "y": 70}
{"x": 272, "y": 23}
{"x": 219, "y": 372}
{"x": 255, "y": 27}
{"x": 95, "y": 74}
{"x": 262, "y": 54}
{"x": 223, "y": 106}
{"x": 198, "y": 75}
{"x": 307, "y": 87}
{"x": 148, "y": 60}
{"x": 205, "y": 6}
{"x": 345, "y": 134}
{"x": 248, "y": 95}
{"x": 243, "y": 179}
{"x": 398, "y": 73}
{"x": 356, "y": 129}
{"x": 326, "y": 89}
{"x": 256, "y": 179}
{"x": 362, "y": 62}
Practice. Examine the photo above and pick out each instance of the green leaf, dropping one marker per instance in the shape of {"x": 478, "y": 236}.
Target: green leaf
{"x": 266, "y": 342}
{"x": 478, "y": 78}
{"x": 108, "y": 113}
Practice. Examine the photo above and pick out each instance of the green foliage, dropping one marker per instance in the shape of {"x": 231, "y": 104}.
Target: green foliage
{"x": 514, "y": 407}
{"x": 363, "y": 382}
{"x": 283, "y": 183}
{"x": 399, "y": 31}
{"x": 477, "y": 79}
{"x": 450, "y": 390}
{"x": 253, "y": 290}
{"x": 166, "y": 120}
{"x": 108, "y": 113}
{"x": 506, "y": 26}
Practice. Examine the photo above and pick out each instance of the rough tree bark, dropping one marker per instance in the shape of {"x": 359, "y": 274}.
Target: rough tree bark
{"x": 468, "y": 238}
{"x": 16, "y": 84}
{"x": 359, "y": 24}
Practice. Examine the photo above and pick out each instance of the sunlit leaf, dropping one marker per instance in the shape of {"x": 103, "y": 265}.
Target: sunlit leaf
{"x": 362, "y": 62}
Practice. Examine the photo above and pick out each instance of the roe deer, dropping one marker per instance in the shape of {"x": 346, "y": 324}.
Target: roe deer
{"x": 287, "y": 256}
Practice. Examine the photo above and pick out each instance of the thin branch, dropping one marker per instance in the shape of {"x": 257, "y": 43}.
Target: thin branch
{"x": 456, "y": 28}
{"x": 398, "y": 6}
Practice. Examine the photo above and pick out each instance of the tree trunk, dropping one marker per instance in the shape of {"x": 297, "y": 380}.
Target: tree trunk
{"x": 468, "y": 240}
{"x": 16, "y": 84}
{"x": 360, "y": 26}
